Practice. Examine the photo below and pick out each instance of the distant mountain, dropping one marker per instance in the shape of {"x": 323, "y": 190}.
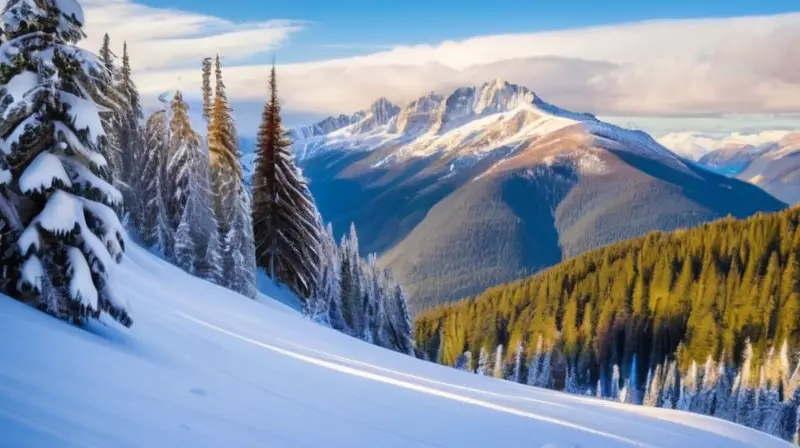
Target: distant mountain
{"x": 777, "y": 170}
{"x": 695, "y": 145}
{"x": 490, "y": 183}
{"x": 770, "y": 159}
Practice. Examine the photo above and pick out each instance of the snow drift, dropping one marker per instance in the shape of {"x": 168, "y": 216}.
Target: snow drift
{"x": 203, "y": 366}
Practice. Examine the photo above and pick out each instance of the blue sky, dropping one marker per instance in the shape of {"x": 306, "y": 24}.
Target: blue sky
{"x": 351, "y": 27}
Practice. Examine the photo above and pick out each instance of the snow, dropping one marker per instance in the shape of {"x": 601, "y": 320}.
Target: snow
{"x": 83, "y": 176}
{"x": 42, "y": 172}
{"x": 70, "y": 8}
{"x": 32, "y": 274}
{"x": 5, "y": 177}
{"x": 61, "y": 213}
{"x": 21, "y": 84}
{"x": 84, "y": 113}
{"x": 75, "y": 143}
{"x": 81, "y": 286}
{"x": 205, "y": 367}
{"x": 19, "y": 130}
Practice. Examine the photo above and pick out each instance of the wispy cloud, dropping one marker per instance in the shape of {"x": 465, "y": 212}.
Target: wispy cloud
{"x": 166, "y": 38}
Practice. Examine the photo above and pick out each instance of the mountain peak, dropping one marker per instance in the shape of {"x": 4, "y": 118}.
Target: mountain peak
{"x": 383, "y": 110}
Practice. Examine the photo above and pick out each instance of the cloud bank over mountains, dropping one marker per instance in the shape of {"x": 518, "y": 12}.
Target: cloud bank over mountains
{"x": 747, "y": 65}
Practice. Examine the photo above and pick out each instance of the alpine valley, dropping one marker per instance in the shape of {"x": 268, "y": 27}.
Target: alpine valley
{"x": 487, "y": 184}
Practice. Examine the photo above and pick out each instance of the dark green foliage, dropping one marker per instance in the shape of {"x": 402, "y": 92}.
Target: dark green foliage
{"x": 707, "y": 289}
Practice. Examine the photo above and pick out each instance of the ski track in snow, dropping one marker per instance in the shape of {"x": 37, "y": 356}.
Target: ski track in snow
{"x": 204, "y": 367}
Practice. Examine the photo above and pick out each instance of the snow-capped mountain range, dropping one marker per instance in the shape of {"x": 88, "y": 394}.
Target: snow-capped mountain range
{"x": 461, "y": 191}
{"x": 470, "y": 123}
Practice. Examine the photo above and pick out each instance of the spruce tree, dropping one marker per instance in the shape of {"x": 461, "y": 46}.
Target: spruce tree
{"x": 287, "y": 233}
{"x": 207, "y": 92}
{"x": 187, "y": 173}
{"x": 54, "y": 141}
{"x": 109, "y": 117}
{"x": 132, "y": 155}
{"x": 156, "y": 227}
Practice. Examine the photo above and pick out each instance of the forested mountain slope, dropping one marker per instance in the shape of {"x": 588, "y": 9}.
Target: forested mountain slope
{"x": 708, "y": 289}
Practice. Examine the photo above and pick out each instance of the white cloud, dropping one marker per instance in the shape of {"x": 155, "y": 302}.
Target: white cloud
{"x": 708, "y": 66}
{"x": 161, "y": 38}
{"x": 746, "y": 65}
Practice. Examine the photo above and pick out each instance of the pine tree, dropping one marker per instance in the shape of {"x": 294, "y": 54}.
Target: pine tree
{"x": 54, "y": 142}
{"x": 464, "y": 361}
{"x": 483, "y": 363}
{"x": 516, "y": 372}
{"x": 184, "y": 244}
{"x": 287, "y": 233}
{"x": 156, "y": 227}
{"x": 326, "y": 304}
{"x": 187, "y": 171}
{"x": 535, "y": 364}
{"x": 499, "y": 367}
{"x": 128, "y": 134}
{"x": 207, "y": 92}
{"x": 226, "y": 172}
{"x": 110, "y": 117}
{"x": 401, "y": 330}
{"x": 239, "y": 250}
{"x": 351, "y": 283}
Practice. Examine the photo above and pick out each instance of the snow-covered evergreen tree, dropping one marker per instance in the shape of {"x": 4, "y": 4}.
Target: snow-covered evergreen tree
{"x": 239, "y": 249}
{"x": 499, "y": 365}
{"x": 516, "y": 369}
{"x": 109, "y": 117}
{"x": 545, "y": 377}
{"x": 184, "y": 244}
{"x": 535, "y": 364}
{"x": 187, "y": 173}
{"x": 53, "y": 137}
{"x": 464, "y": 362}
{"x": 351, "y": 283}
{"x": 287, "y": 233}
{"x": 722, "y": 394}
{"x": 483, "y": 363}
{"x": 670, "y": 389}
{"x": 132, "y": 154}
{"x": 688, "y": 389}
{"x": 401, "y": 330}
{"x": 326, "y": 304}
{"x": 615, "y": 379}
{"x": 653, "y": 394}
{"x": 207, "y": 91}
{"x": 156, "y": 228}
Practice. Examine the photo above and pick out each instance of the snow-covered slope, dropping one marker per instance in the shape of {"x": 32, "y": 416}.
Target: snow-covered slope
{"x": 204, "y": 367}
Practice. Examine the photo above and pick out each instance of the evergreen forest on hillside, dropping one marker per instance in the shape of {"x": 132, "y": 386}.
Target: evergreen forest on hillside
{"x": 634, "y": 320}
